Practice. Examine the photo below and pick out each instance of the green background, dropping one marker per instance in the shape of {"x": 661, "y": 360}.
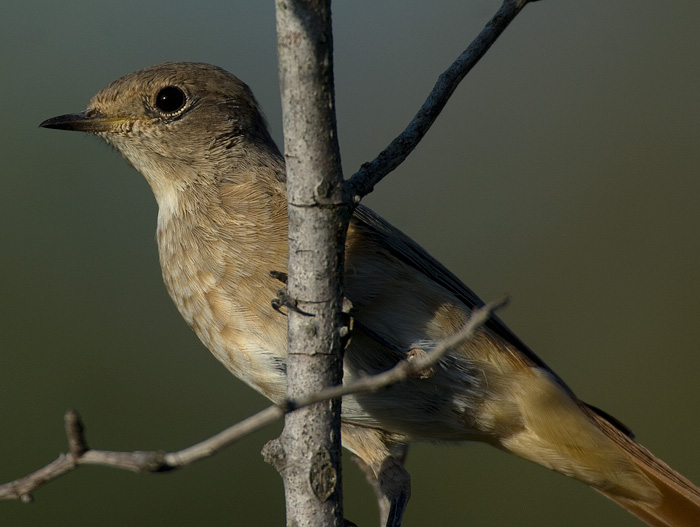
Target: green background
{"x": 564, "y": 171}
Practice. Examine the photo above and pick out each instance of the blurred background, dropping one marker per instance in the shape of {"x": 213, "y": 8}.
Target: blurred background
{"x": 564, "y": 172}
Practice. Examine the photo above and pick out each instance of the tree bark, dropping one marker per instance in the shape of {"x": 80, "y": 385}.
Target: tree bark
{"x": 307, "y": 454}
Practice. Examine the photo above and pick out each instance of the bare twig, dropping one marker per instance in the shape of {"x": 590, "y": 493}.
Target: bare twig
{"x": 159, "y": 461}
{"x": 364, "y": 180}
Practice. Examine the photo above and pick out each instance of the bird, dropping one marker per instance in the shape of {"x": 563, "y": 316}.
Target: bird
{"x": 198, "y": 136}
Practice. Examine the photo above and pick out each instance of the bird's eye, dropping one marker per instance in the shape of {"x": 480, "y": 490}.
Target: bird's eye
{"x": 170, "y": 99}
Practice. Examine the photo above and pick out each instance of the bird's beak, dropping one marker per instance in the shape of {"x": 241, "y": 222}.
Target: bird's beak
{"x": 89, "y": 121}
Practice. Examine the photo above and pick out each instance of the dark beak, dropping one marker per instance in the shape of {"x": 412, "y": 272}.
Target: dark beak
{"x": 88, "y": 121}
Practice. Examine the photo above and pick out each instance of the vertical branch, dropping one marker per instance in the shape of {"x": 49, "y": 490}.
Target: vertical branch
{"x": 307, "y": 454}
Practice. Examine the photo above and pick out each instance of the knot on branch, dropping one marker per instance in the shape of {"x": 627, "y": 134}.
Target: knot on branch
{"x": 414, "y": 369}
{"x": 274, "y": 454}
{"x": 323, "y": 476}
{"x": 75, "y": 432}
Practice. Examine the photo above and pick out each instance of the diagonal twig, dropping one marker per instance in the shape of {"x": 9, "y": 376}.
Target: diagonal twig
{"x": 159, "y": 461}
{"x": 363, "y": 181}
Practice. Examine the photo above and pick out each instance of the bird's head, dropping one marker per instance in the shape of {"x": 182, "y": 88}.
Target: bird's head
{"x": 176, "y": 121}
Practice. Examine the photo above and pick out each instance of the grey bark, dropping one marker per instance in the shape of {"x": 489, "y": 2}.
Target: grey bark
{"x": 308, "y": 451}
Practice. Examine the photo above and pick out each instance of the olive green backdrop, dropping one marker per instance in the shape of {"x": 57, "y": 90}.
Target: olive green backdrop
{"x": 564, "y": 171}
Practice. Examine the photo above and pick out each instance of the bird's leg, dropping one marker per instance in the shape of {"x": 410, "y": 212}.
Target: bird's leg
{"x": 283, "y": 298}
{"x": 382, "y": 502}
{"x": 381, "y": 457}
{"x": 395, "y": 486}
{"x": 392, "y": 489}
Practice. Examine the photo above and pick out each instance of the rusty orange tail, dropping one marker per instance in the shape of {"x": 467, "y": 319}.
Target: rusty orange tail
{"x": 679, "y": 505}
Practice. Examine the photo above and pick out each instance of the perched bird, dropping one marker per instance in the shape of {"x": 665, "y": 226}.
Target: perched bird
{"x": 197, "y": 135}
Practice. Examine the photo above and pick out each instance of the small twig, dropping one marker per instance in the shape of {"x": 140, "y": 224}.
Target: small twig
{"x": 75, "y": 433}
{"x": 159, "y": 461}
{"x": 364, "y": 180}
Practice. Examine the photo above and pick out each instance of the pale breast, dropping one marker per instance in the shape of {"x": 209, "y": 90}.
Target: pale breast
{"x": 225, "y": 298}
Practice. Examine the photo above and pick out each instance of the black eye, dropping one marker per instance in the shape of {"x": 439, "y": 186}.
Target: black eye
{"x": 170, "y": 99}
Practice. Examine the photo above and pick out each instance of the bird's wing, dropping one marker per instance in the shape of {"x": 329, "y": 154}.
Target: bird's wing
{"x": 408, "y": 251}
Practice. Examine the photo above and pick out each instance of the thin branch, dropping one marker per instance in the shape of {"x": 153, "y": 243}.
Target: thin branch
{"x": 364, "y": 180}
{"x": 159, "y": 461}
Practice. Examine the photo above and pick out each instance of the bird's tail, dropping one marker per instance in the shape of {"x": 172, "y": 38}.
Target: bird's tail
{"x": 564, "y": 434}
{"x": 679, "y": 503}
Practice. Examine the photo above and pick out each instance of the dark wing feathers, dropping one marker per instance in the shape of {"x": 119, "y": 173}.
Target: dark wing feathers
{"x": 409, "y": 252}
